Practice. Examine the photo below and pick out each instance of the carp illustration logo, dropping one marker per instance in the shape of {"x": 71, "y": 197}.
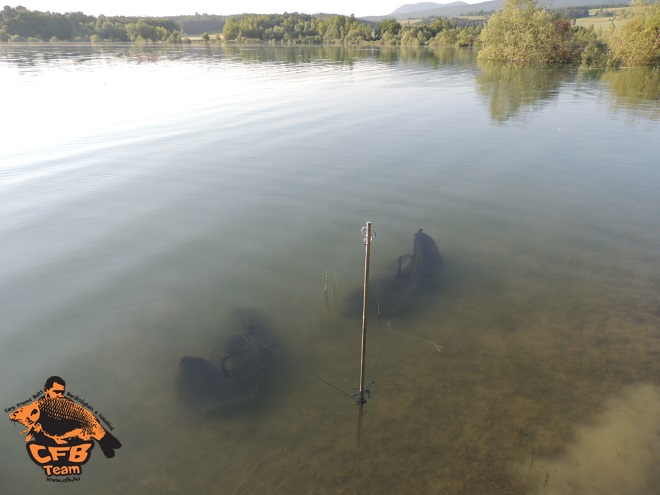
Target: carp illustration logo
{"x": 60, "y": 432}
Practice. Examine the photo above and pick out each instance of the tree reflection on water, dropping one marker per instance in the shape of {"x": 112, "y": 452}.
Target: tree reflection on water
{"x": 512, "y": 92}
{"x": 635, "y": 91}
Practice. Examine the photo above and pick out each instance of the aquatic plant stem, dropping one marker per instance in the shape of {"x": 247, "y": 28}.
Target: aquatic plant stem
{"x": 247, "y": 477}
{"x": 325, "y": 289}
{"x": 334, "y": 286}
{"x": 438, "y": 347}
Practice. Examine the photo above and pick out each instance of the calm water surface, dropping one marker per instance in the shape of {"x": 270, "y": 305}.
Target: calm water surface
{"x": 147, "y": 191}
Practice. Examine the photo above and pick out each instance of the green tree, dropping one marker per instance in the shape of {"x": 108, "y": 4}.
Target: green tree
{"x": 448, "y": 37}
{"x": 637, "y": 42}
{"x": 231, "y": 30}
{"x": 594, "y": 52}
{"x": 524, "y": 34}
{"x": 332, "y": 33}
{"x": 409, "y": 36}
{"x": 388, "y": 26}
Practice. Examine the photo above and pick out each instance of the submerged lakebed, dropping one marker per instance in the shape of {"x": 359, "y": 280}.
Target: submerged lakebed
{"x": 148, "y": 191}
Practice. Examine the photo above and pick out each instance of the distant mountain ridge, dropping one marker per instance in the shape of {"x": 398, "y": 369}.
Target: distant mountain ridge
{"x": 415, "y": 7}
{"x": 430, "y": 9}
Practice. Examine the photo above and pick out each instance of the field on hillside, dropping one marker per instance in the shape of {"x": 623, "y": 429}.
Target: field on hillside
{"x": 598, "y": 20}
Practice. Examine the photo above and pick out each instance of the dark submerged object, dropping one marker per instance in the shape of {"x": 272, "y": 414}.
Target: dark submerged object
{"x": 416, "y": 275}
{"x": 233, "y": 375}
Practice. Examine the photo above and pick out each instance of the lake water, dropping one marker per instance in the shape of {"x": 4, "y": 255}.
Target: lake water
{"x": 146, "y": 191}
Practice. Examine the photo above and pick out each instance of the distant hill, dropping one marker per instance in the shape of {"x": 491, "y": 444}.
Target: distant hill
{"x": 457, "y": 8}
{"x": 422, "y": 6}
{"x": 432, "y": 9}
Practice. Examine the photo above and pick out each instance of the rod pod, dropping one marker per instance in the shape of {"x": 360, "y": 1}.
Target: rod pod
{"x": 368, "y": 236}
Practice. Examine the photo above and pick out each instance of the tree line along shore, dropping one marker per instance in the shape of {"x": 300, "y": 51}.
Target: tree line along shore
{"x": 521, "y": 33}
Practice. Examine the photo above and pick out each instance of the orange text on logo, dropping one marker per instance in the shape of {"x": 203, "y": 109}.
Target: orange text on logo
{"x": 60, "y": 460}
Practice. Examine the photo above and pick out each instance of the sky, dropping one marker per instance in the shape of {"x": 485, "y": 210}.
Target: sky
{"x": 220, "y": 7}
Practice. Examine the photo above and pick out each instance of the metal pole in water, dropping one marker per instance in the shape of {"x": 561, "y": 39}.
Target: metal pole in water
{"x": 365, "y": 315}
